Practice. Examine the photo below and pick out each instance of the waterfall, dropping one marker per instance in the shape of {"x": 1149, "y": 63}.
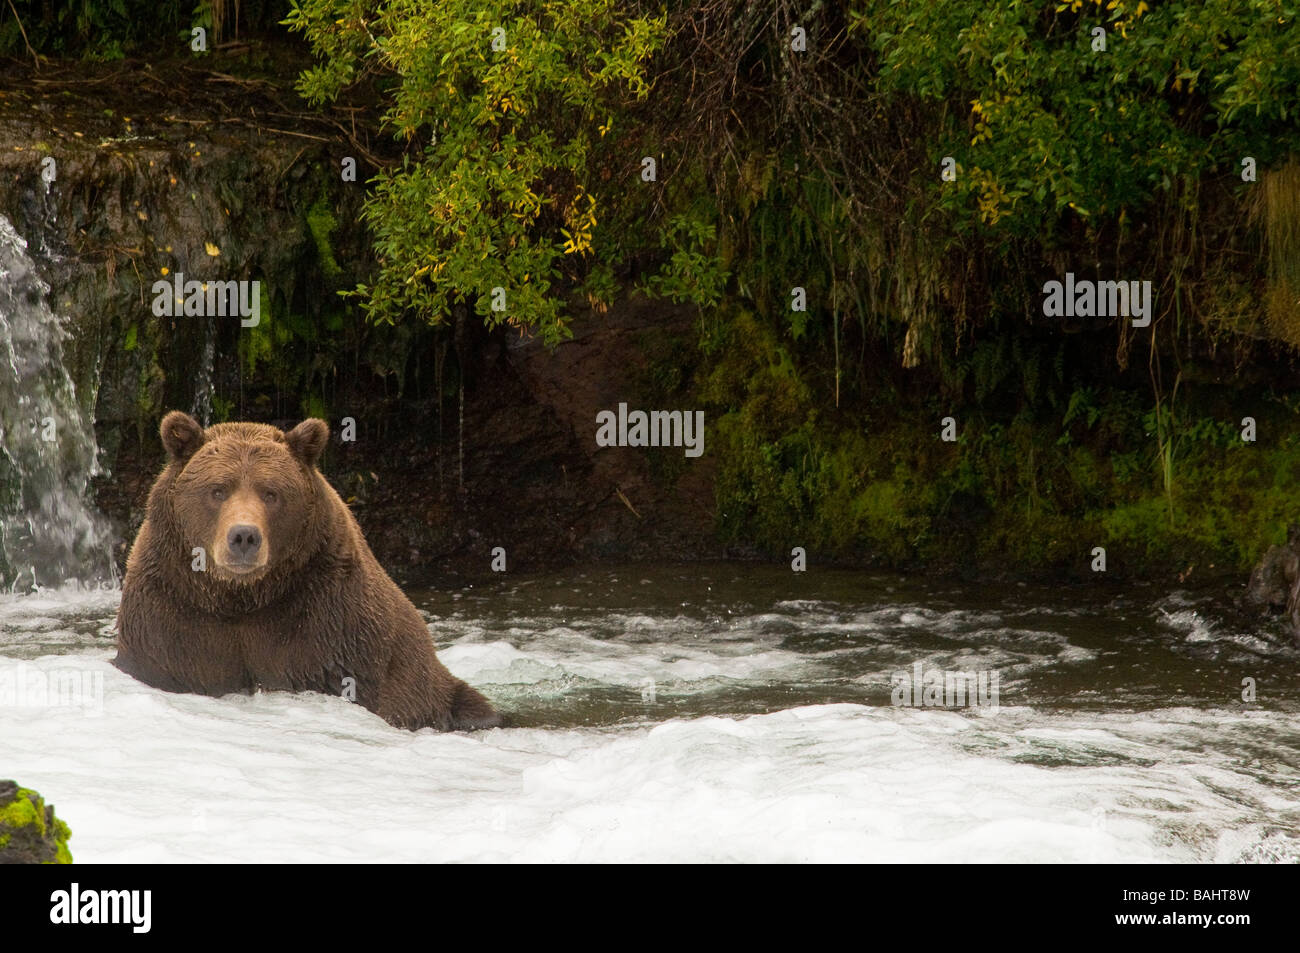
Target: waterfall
{"x": 201, "y": 410}
{"x": 50, "y": 533}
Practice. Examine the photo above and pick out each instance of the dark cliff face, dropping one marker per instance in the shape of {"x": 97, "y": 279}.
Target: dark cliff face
{"x": 158, "y": 173}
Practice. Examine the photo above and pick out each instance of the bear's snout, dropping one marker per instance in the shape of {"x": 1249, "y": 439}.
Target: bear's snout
{"x": 243, "y": 542}
{"x": 242, "y": 546}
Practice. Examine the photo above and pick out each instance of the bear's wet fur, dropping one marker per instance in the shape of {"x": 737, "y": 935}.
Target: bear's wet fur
{"x": 290, "y": 598}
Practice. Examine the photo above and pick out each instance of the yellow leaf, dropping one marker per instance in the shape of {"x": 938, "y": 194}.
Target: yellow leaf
{"x": 211, "y": 249}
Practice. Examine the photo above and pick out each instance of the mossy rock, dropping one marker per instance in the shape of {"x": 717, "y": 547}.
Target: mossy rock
{"x": 29, "y": 831}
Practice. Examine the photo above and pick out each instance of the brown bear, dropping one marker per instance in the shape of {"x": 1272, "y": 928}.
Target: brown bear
{"x": 250, "y": 572}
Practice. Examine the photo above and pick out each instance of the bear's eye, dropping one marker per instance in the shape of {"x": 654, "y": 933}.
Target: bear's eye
{"x": 270, "y": 496}
{"x": 218, "y": 493}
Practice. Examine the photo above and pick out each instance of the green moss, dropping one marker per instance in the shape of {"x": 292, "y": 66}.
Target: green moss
{"x": 1030, "y": 491}
{"x": 1228, "y": 506}
{"x": 222, "y": 408}
{"x": 256, "y": 343}
{"x": 314, "y": 406}
{"x": 61, "y": 836}
{"x": 25, "y": 833}
{"x": 22, "y": 811}
{"x": 321, "y": 223}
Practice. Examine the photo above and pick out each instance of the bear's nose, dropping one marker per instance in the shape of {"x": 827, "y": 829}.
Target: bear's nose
{"x": 244, "y": 541}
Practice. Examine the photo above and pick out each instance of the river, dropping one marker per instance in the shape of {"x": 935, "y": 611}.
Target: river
{"x": 716, "y": 712}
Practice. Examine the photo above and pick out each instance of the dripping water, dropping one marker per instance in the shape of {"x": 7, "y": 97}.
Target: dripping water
{"x": 50, "y": 534}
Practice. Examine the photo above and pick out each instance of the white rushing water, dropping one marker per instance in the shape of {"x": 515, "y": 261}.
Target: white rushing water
{"x": 617, "y": 773}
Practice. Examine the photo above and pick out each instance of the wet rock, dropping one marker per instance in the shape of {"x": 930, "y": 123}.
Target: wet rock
{"x": 29, "y": 831}
{"x": 535, "y": 481}
{"x": 1270, "y": 583}
{"x": 149, "y": 185}
{"x": 1275, "y": 583}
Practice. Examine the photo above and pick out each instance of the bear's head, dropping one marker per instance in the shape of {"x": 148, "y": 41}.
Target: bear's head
{"x": 246, "y": 493}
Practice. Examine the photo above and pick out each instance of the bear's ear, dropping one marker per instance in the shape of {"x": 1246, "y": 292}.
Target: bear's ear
{"x": 307, "y": 440}
{"x": 181, "y": 435}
